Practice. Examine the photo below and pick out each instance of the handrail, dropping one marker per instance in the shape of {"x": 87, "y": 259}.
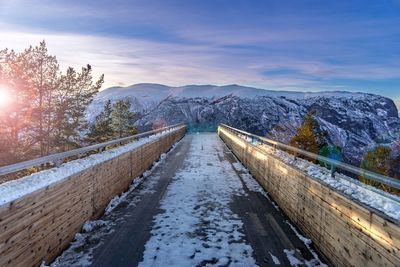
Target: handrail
{"x": 386, "y": 180}
{"x": 59, "y": 157}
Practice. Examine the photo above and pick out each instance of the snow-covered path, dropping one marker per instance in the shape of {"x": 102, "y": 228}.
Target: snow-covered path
{"x": 197, "y": 225}
{"x": 199, "y": 207}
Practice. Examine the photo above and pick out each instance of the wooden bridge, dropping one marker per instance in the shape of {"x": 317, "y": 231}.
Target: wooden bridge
{"x": 214, "y": 199}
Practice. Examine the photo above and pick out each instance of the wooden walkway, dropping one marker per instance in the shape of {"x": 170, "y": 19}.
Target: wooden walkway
{"x": 199, "y": 207}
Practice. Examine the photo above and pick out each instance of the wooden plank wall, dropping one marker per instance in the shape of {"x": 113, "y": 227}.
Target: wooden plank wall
{"x": 347, "y": 232}
{"x": 39, "y": 226}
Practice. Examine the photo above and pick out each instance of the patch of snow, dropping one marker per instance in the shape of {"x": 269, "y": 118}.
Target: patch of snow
{"x": 381, "y": 112}
{"x": 290, "y": 254}
{"x": 273, "y": 203}
{"x": 295, "y": 261}
{"x": 307, "y": 242}
{"x": 76, "y": 255}
{"x": 197, "y": 226}
{"x": 89, "y": 226}
{"x": 118, "y": 199}
{"x": 15, "y": 189}
{"x": 275, "y": 259}
{"x": 239, "y": 167}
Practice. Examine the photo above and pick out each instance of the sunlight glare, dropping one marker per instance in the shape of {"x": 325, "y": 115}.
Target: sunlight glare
{"x": 5, "y": 96}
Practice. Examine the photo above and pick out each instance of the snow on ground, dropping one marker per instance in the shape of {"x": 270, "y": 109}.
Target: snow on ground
{"x": 292, "y": 256}
{"x": 136, "y": 182}
{"x": 15, "y": 189}
{"x": 307, "y": 242}
{"x": 197, "y": 226}
{"x": 120, "y": 198}
{"x": 89, "y": 226}
{"x": 250, "y": 182}
{"x": 371, "y": 196}
{"x": 274, "y": 259}
{"x": 80, "y": 251}
{"x": 293, "y": 260}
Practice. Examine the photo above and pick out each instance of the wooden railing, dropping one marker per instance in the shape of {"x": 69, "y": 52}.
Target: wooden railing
{"x": 335, "y": 164}
{"x": 58, "y": 158}
{"x": 37, "y": 226}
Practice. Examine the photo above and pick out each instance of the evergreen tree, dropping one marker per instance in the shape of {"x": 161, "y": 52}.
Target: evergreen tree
{"x": 309, "y": 136}
{"x": 102, "y": 130}
{"x": 376, "y": 160}
{"x": 43, "y": 73}
{"x": 75, "y": 93}
{"x": 16, "y": 136}
{"x": 48, "y": 109}
{"x": 122, "y": 119}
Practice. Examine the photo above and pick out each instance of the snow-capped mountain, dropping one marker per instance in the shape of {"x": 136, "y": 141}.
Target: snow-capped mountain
{"x": 146, "y": 96}
{"x": 353, "y": 121}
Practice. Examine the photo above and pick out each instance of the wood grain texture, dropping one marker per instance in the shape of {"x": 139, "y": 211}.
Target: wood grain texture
{"x": 347, "y": 232}
{"x": 39, "y": 226}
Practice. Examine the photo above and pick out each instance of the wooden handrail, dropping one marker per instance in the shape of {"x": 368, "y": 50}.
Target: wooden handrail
{"x": 59, "y": 157}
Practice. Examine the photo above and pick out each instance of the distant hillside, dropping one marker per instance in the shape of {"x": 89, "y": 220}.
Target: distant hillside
{"x": 146, "y": 96}
{"x": 354, "y": 121}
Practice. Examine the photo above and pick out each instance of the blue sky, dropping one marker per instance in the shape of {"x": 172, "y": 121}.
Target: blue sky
{"x": 282, "y": 45}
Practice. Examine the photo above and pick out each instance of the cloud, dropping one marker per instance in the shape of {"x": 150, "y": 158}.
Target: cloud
{"x": 130, "y": 60}
{"x": 300, "y": 49}
{"x": 125, "y": 61}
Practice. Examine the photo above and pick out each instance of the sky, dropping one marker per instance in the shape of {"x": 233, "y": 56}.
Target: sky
{"x": 280, "y": 45}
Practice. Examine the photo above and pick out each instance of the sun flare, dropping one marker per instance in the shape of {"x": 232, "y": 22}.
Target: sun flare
{"x": 5, "y": 96}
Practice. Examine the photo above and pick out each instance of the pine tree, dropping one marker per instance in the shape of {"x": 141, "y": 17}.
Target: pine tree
{"x": 75, "y": 93}
{"x": 376, "y": 160}
{"x": 16, "y": 139}
{"x": 85, "y": 89}
{"x": 309, "y": 136}
{"x": 43, "y": 74}
{"x": 48, "y": 109}
{"x": 122, "y": 119}
{"x": 102, "y": 129}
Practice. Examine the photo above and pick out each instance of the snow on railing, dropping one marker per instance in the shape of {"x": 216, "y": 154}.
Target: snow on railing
{"x": 386, "y": 180}
{"x": 58, "y": 158}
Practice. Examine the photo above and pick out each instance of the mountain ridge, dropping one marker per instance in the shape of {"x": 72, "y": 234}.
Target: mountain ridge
{"x": 144, "y": 96}
{"x": 354, "y": 121}
{"x": 261, "y": 90}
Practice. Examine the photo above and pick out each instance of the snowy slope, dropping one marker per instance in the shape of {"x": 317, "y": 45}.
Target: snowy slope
{"x": 147, "y": 96}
